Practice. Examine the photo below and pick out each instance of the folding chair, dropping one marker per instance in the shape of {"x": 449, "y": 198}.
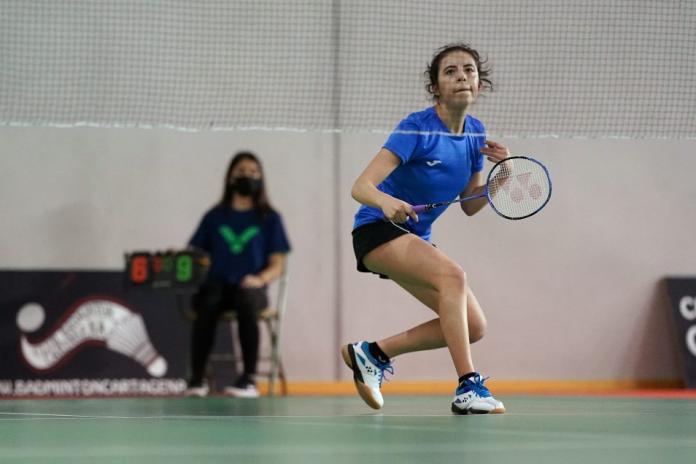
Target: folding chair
{"x": 272, "y": 319}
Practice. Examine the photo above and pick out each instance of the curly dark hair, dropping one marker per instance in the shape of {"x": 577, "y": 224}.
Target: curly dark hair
{"x": 433, "y": 70}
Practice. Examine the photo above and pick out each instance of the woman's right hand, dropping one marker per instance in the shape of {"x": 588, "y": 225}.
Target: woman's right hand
{"x": 397, "y": 210}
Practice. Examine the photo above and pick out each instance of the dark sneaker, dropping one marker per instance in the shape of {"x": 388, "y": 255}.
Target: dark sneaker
{"x": 244, "y": 387}
{"x": 199, "y": 390}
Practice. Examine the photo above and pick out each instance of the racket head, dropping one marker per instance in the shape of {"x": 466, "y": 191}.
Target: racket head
{"x": 518, "y": 187}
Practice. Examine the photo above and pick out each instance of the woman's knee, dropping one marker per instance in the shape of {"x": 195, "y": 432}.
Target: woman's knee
{"x": 452, "y": 278}
{"x": 251, "y": 300}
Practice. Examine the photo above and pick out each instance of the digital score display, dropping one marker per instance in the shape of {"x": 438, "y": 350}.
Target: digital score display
{"x": 166, "y": 269}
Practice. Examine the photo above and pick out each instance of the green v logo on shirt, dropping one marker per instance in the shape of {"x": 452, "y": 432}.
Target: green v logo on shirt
{"x": 238, "y": 242}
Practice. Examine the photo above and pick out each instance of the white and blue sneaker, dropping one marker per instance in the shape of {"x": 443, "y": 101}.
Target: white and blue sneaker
{"x": 472, "y": 397}
{"x": 368, "y": 372}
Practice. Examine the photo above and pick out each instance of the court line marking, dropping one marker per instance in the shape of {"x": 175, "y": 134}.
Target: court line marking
{"x": 268, "y": 449}
{"x": 5, "y": 415}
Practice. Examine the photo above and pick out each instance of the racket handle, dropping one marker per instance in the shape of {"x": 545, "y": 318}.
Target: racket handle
{"x": 419, "y": 208}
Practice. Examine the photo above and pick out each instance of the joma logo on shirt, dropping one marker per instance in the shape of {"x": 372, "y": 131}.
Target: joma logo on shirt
{"x": 238, "y": 242}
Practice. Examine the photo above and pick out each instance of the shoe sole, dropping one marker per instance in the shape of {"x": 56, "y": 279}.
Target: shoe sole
{"x": 464, "y": 412}
{"x": 240, "y": 393}
{"x": 365, "y": 392}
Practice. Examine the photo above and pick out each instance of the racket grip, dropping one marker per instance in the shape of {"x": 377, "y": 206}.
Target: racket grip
{"x": 419, "y": 208}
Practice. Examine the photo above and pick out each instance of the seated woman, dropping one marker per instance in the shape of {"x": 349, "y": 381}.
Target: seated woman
{"x": 247, "y": 244}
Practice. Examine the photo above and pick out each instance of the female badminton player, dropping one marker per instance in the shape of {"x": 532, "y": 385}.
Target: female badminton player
{"x": 433, "y": 155}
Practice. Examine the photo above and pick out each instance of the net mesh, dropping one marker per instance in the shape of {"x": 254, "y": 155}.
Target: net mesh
{"x": 581, "y": 68}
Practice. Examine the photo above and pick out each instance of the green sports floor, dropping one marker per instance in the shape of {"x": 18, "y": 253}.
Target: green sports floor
{"x": 410, "y": 429}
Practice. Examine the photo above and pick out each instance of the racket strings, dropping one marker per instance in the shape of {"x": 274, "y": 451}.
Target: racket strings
{"x": 518, "y": 188}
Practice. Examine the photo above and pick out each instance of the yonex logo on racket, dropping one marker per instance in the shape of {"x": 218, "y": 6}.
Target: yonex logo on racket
{"x": 517, "y": 192}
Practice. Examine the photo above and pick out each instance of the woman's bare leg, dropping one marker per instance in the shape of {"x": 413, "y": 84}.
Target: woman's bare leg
{"x": 429, "y": 336}
{"x": 414, "y": 263}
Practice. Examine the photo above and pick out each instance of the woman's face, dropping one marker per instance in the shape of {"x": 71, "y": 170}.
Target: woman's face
{"x": 458, "y": 80}
{"x": 245, "y": 168}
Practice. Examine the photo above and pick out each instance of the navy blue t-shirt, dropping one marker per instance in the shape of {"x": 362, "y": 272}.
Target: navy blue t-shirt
{"x": 436, "y": 166}
{"x": 239, "y": 242}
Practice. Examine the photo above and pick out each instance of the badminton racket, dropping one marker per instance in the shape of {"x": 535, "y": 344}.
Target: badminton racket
{"x": 516, "y": 188}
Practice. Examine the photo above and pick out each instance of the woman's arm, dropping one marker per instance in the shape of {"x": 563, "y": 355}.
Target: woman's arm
{"x": 495, "y": 152}
{"x": 366, "y": 192}
{"x": 475, "y": 187}
{"x": 276, "y": 264}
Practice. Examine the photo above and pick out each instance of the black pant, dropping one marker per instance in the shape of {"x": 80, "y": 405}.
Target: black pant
{"x": 209, "y": 303}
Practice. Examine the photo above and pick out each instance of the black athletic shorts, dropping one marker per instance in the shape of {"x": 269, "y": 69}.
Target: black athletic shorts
{"x": 369, "y": 236}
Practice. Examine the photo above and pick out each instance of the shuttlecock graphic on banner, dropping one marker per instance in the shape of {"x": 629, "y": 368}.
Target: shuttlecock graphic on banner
{"x": 130, "y": 338}
{"x": 91, "y": 321}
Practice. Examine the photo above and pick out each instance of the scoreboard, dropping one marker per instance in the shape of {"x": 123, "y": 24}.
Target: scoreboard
{"x": 165, "y": 269}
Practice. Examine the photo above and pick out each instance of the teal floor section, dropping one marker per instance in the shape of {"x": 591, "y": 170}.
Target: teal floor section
{"x": 410, "y": 429}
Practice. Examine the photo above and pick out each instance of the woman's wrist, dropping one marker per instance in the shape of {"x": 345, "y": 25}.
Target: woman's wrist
{"x": 382, "y": 199}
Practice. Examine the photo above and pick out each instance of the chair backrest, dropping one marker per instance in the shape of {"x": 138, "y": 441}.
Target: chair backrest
{"x": 282, "y": 295}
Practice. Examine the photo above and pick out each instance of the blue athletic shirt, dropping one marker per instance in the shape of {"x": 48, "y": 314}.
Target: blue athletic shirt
{"x": 434, "y": 166}
{"x": 239, "y": 242}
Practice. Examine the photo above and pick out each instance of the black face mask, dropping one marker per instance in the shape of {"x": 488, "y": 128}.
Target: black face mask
{"x": 246, "y": 186}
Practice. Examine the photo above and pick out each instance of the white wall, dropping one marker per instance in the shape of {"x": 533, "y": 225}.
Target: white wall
{"x": 572, "y": 293}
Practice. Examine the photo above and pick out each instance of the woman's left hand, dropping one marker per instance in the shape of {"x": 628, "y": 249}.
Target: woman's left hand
{"x": 252, "y": 281}
{"x": 495, "y": 151}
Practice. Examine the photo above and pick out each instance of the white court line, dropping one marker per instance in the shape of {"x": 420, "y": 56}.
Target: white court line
{"x": 30, "y": 415}
{"x": 333, "y": 449}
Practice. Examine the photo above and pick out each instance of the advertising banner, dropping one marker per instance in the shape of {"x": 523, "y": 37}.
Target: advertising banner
{"x": 87, "y": 333}
{"x": 682, "y": 295}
